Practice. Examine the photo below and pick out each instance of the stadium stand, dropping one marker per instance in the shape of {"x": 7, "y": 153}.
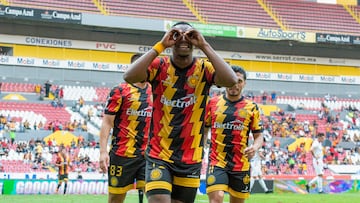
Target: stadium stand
{"x": 297, "y": 15}
{"x": 154, "y": 9}
{"x": 311, "y": 16}
{"x": 339, "y": 117}
{"x": 86, "y": 6}
{"x": 246, "y": 13}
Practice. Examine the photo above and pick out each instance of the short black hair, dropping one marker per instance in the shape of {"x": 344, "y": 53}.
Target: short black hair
{"x": 238, "y": 69}
{"x": 320, "y": 134}
{"x": 135, "y": 57}
{"x": 182, "y": 23}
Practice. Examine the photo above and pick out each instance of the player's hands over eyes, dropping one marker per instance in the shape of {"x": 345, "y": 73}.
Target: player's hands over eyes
{"x": 104, "y": 161}
{"x": 195, "y": 37}
{"x": 170, "y": 38}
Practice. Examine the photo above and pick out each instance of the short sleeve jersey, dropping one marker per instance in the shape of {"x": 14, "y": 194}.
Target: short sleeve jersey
{"x": 231, "y": 124}
{"x": 132, "y": 107}
{"x": 317, "y": 149}
{"x": 179, "y": 108}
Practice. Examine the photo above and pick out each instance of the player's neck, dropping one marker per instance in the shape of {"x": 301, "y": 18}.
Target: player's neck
{"x": 233, "y": 98}
{"x": 141, "y": 85}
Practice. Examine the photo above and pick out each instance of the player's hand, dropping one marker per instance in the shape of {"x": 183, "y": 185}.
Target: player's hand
{"x": 104, "y": 161}
{"x": 170, "y": 37}
{"x": 196, "y": 38}
{"x": 249, "y": 152}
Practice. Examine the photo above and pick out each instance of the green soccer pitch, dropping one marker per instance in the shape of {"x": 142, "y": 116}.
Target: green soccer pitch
{"x": 132, "y": 198}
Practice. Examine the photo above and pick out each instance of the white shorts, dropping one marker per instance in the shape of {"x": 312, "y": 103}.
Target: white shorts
{"x": 255, "y": 169}
{"x": 318, "y": 166}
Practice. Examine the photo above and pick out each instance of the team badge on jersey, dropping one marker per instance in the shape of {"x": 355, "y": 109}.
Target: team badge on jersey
{"x": 155, "y": 174}
{"x": 242, "y": 113}
{"x": 191, "y": 81}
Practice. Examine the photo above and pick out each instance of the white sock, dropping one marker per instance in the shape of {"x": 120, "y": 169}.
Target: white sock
{"x": 263, "y": 185}
{"x": 252, "y": 181}
{"x": 320, "y": 184}
{"x": 313, "y": 181}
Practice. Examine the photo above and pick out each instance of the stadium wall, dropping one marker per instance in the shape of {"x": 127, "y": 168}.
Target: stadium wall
{"x": 96, "y": 183}
{"x": 260, "y": 64}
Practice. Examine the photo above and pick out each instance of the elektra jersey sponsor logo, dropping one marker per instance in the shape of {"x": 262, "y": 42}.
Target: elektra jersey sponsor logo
{"x": 144, "y": 112}
{"x": 179, "y": 103}
{"x": 233, "y": 125}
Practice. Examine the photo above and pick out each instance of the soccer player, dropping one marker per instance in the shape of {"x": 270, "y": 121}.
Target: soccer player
{"x": 256, "y": 173}
{"x": 127, "y": 114}
{"x": 318, "y": 155}
{"x": 63, "y": 162}
{"x": 180, "y": 86}
{"x": 231, "y": 118}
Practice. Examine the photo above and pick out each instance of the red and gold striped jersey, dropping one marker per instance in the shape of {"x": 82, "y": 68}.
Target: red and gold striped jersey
{"x": 132, "y": 107}
{"x": 231, "y": 124}
{"x": 180, "y": 97}
{"x": 65, "y": 163}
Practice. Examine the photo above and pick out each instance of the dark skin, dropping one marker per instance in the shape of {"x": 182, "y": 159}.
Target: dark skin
{"x": 182, "y": 38}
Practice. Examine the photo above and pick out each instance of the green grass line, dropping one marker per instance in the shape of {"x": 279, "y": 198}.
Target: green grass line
{"x": 132, "y": 198}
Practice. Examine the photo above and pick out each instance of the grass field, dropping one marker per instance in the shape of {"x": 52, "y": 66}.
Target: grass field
{"x": 263, "y": 198}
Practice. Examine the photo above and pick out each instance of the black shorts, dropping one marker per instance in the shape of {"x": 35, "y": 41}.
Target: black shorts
{"x": 237, "y": 183}
{"x": 63, "y": 177}
{"x": 181, "y": 181}
{"x": 123, "y": 172}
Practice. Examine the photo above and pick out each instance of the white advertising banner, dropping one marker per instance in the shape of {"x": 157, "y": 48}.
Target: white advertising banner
{"x": 96, "y": 66}
{"x": 109, "y": 46}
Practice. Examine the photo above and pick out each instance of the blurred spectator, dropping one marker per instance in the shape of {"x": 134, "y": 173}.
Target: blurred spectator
{"x": 264, "y": 97}
{"x": 47, "y": 86}
{"x": 12, "y": 136}
{"x": 273, "y": 96}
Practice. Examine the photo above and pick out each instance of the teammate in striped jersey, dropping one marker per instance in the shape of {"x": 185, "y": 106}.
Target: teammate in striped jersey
{"x": 63, "y": 163}
{"x": 127, "y": 114}
{"x": 231, "y": 118}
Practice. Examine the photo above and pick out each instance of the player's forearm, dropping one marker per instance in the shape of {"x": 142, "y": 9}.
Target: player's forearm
{"x": 258, "y": 142}
{"x": 137, "y": 71}
{"x": 224, "y": 75}
{"x": 104, "y": 136}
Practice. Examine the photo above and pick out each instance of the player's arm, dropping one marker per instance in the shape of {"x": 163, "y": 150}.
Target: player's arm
{"x": 107, "y": 125}
{"x": 137, "y": 71}
{"x": 261, "y": 154}
{"x": 58, "y": 162}
{"x": 206, "y": 133}
{"x": 258, "y": 142}
{"x": 312, "y": 150}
